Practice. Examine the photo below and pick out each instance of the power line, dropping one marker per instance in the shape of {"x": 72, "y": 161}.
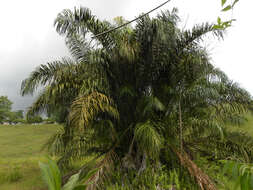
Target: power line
{"x": 105, "y": 32}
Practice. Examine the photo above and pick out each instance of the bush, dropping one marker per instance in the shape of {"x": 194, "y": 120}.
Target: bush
{"x": 14, "y": 175}
{"x": 150, "y": 179}
{"x": 49, "y": 121}
{"x": 19, "y": 121}
{"x": 11, "y": 176}
{"x": 34, "y": 119}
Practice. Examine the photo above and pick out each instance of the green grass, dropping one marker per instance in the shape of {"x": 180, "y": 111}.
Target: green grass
{"x": 20, "y": 151}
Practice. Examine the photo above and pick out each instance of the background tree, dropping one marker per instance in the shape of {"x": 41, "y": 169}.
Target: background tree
{"x": 16, "y": 116}
{"x": 34, "y": 119}
{"x": 5, "y": 108}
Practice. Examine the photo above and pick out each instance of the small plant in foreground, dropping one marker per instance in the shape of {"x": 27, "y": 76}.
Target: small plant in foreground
{"x": 52, "y": 177}
{"x": 241, "y": 173}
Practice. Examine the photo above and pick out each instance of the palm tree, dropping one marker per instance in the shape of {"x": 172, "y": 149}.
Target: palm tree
{"x": 124, "y": 92}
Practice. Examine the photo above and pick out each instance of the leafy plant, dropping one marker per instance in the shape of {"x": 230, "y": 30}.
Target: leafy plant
{"x": 53, "y": 178}
{"x": 241, "y": 173}
{"x": 134, "y": 92}
{"x": 222, "y": 25}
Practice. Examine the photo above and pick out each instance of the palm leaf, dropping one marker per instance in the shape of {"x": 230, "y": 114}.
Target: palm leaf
{"x": 51, "y": 175}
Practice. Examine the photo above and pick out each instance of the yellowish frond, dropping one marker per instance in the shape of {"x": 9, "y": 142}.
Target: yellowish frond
{"x": 84, "y": 109}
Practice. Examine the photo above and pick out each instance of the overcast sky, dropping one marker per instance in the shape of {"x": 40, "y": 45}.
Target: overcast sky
{"x": 28, "y": 38}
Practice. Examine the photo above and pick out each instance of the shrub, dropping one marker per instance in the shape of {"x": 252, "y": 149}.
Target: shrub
{"x": 10, "y": 176}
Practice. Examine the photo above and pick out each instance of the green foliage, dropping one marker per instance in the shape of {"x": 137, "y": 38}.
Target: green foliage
{"x": 222, "y": 25}
{"x": 34, "y": 119}
{"x": 227, "y": 8}
{"x": 5, "y": 108}
{"x": 149, "y": 179}
{"x": 223, "y": 2}
{"x": 6, "y": 115}
{"x": 16, "y": 117}
{"x": 137, "y": 91}
{"x": 56, "y": 115}
{"x": 52, "y": 177}
{"x": 241, "y": 173}
{"x": 51, "y": 174}
{"x": 148, "y": 139}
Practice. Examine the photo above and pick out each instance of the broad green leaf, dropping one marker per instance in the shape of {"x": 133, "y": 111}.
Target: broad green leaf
{"x": 227, "y": 8}
{"x": 55, "y": 171}
{"x": 219, "y": 20}
{"x": 72, "y": 182}
{"x": 51, "y": 175}
{"x": 46, "y": 176}
{"x": 223, "y": 2}
{"x": 244, "y": 182}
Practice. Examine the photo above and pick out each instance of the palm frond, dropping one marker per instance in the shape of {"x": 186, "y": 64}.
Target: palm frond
{"x": 46, "y": 74}
{"x": 148, "y": 139}
{"x": 78, "y": 47}
{"x": 196, "y": 34}
{"x": 81, "y": 21}
{"x": 84, "y": 109}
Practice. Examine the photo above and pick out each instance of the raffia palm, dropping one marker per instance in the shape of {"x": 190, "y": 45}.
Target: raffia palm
{"x": 137, "y": 90}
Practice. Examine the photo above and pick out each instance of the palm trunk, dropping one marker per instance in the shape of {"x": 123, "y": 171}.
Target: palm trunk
{"x": 143, "y": 163}
{"x": 180, "y": 125}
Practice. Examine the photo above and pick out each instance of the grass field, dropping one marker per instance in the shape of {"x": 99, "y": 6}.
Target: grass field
{"x": 20, "y": 151}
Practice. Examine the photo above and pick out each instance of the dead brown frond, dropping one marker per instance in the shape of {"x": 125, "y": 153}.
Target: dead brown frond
{"x": 105, "y": 166}
{"x": 201, "y": 178}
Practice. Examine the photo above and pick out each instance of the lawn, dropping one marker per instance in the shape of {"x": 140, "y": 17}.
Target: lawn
{"x": 20, "y": 151}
